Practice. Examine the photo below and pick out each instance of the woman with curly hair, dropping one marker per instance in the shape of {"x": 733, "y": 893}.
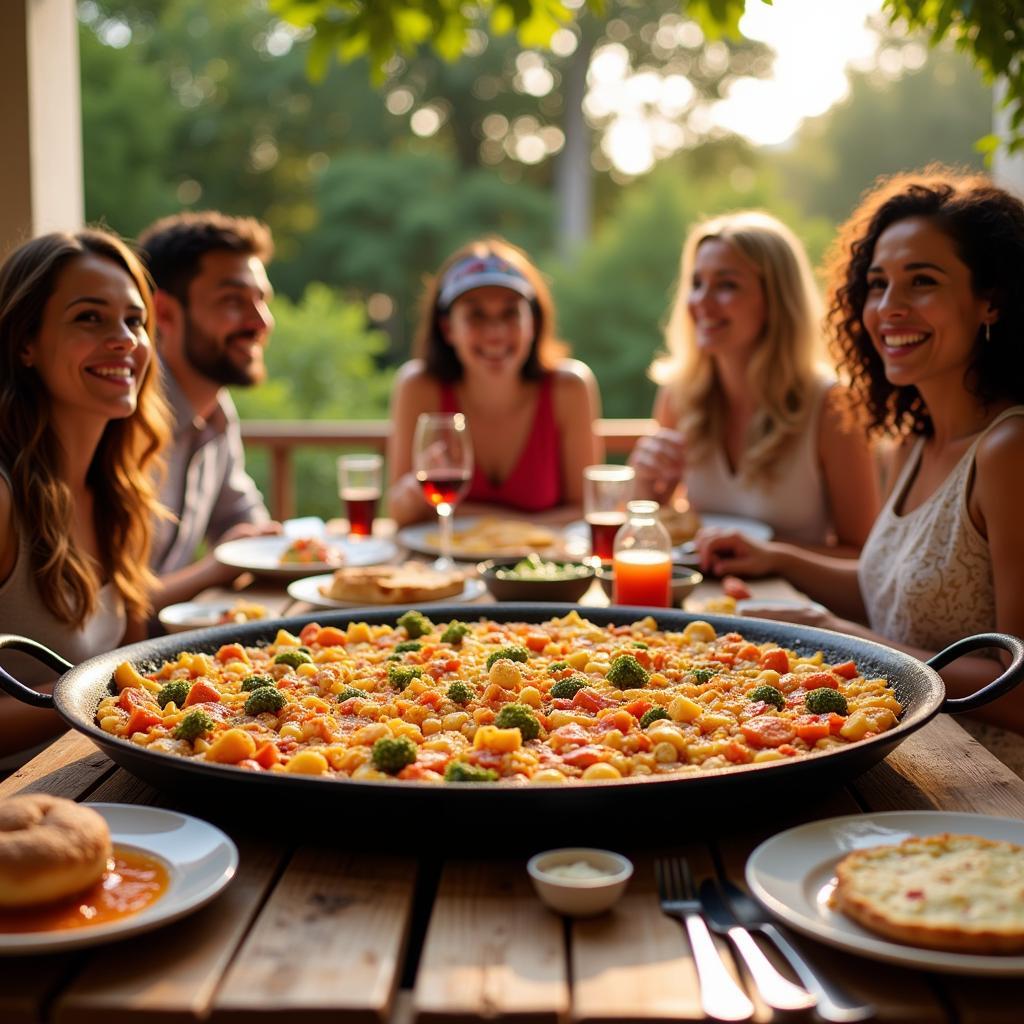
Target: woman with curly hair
{"x": 927, "y": 317}
{"x": 83, "y": 420}
{"x": 486, "y": 347}
{"x": 746, "y": 411}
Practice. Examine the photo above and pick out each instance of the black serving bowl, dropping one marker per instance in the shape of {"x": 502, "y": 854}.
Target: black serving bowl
{"x": 684, "y": 579}
{"x": 557, "y": 591}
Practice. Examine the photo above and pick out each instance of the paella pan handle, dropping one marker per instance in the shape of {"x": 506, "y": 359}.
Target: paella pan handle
{"x": 19, "y": 690}
{"x": 1003, "y": 684}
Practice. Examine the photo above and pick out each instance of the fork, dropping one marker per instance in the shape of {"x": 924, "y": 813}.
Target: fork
{"x": 720, "y": 996}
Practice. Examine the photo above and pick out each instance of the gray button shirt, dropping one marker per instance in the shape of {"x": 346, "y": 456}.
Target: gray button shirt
{"x": 206, "y": 486}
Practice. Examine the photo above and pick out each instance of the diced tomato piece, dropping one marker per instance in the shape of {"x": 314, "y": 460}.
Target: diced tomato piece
{"x": 735, "y": 587}
{"x": 452, "y": 665}
{"x": 748, "y": 652}
{"x": 140, "y": 720}
{"x": 754, "y": 708}
{"x": 416, "y": 773}
{"x": 267, "y": 755}
{"x": 835, "y": 722}
{"x": 429, "y": 698}
{"x": 811, "y": 728}
{"x": 816, "y": 680}
{"x": 231, "y": 652}
{"x": 310, "y": 632}
{"x": 776, "y": 659}
{"x": 571, "y": 735}
{"x": 561, "y": 703}
{"x": 435, "y": 760}
{"x": 659, "y": 659}
{"x": 201, "y": 693}
{"x": 536, "y": 641}
{"x": 485, "y": 758}
{"x": 787, "y": 749}
{"x": 768, "y": 731}
{"x": 591, "y": 700}
{"x": 133, "y": 697}
{"x": 846, "y": 670}
{"x": 638, "y": 708}
{"x": 738, "y": 753}
{"x": 726, "y": 658}
{"x": 642, "y": 656}
{"x": 621, "y": 720}
{"x": 331, "y": 636}
{"x": 584, "y": 757}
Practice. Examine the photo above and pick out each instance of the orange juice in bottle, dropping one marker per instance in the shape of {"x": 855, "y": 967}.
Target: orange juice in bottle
{"x": 642, "y": 561}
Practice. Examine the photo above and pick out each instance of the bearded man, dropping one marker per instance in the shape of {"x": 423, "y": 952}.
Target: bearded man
{"x": 213, "y": 322}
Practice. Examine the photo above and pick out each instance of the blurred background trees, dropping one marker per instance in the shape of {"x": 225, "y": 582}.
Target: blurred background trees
{"x": 594, "y": 152}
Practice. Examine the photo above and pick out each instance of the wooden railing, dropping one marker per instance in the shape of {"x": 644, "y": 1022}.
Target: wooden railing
{"x": 282, "y": 437}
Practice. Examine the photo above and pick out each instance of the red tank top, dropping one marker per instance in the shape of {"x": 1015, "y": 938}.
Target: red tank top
{"x": 535, "y": 482}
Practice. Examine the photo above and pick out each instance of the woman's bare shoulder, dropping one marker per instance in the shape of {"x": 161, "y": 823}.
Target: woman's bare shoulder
{"x": 414, "y": 384}
{"x": 1001, "y": 450}
{"x": 570, "y": 373}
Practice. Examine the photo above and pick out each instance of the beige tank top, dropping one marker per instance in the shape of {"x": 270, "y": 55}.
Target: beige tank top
{"x": 22, "y": 612}
{"x": 794, "y": 502}
{"x": 926, "y": 576}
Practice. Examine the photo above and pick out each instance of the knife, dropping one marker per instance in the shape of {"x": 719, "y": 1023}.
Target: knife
{"x": 776, "y": 991}
{"x": 833, "y": 1003}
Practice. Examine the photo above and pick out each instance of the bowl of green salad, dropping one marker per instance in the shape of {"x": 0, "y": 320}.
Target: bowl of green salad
{"x": 535, "y": 579}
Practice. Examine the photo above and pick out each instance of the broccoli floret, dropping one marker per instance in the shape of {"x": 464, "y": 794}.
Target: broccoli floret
{"x": 394, "y": 657}
{"x": 195, "y": 724}
{"x": 512, "y": 653}
{"x": 293, "y": 658}
{"x": 557, "y": 666}
{"x": 250, "y": 683}
{"x": 348, "y": 693}
{"x": 702, "y": 675}
{"x": 392, "y": 754}
{"x": 769, "y": 694}
{"x": 266, "y": 698}
{"x": 407, "y": 645}
{"x": 518, "y": 716}
{"x": 640, "y": 644}
{"x": 824, "y": 700}
{"x": 460, "y": 771}
{"x": 568, "y": 688}
{"x": 653, "y": 715}
{"x": 415, "y": 624}
{"x": 627, "y": 673}
{"x": 400, "y": 676}
{"x": 454, "y": 633}
{"x": 176, "y": 690}
{"x": 460, "y": 692}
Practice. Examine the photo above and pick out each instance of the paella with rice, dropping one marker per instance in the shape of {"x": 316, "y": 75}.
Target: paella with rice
{"x": 562, "y": 701}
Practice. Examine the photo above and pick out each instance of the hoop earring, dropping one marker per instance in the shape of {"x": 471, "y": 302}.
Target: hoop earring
{"x": 988, "y": 332}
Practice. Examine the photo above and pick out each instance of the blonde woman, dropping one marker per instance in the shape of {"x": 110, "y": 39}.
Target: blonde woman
{"x": 83, "y": 419}
{"x": 748, "y": 417}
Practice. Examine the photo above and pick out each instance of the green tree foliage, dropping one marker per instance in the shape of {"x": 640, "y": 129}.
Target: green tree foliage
{"x": 935, "y": 113}
{"x": 613, "y": 300}
{"x": 321, "y": 364}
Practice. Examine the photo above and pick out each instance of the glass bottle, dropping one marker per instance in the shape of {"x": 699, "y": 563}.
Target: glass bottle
{"x": 642, "y": 559}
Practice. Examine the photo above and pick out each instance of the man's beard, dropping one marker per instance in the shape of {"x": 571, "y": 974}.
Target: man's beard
{"x": 207, "y": 356}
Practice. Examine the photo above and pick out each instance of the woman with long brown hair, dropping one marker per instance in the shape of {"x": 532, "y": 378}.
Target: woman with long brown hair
{"x": 486, "y": 347}
{"x": 83, "y": 420}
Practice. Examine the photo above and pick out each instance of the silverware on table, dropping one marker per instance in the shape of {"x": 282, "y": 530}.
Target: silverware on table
{"x": 833, "y": 1004}
{"x": 720, "y": 995}
{"x": 776, "y": 991}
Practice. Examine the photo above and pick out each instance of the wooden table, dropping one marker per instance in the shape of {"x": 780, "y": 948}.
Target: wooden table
{"x": 311, "y": 930}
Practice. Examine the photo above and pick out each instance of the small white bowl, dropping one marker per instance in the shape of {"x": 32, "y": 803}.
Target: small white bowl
{"x": 580, "y": 897}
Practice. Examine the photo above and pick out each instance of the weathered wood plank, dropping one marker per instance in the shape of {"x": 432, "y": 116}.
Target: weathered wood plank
{"x": 68, "y": 767}
{"x": 492, "y": 950}
{"x": 169, "y": 976}
{"x": 328, "y": 945}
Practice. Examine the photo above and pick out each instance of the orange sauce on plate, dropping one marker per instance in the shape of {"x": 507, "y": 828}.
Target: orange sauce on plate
{"x": 133, "y": 881}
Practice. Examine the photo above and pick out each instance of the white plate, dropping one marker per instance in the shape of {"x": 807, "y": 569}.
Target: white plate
{"x": 263, "y": 555}
{"x": 415, "y": 538}
{"x": 198, "y": 614}
{"x": 199, "y": 858}
{"x": 754, "y": 606}
{"x": 793, "y": 873}
{"x": 308, "y": 590}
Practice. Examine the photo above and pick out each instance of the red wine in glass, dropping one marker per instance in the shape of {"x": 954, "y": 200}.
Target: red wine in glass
{"x": 603, "y": 527}
{"x": 444, "y": 486}
{"x": 360, "y": 509}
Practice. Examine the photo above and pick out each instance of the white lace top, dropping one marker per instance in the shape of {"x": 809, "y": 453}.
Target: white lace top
{"x": 926, "y": 576}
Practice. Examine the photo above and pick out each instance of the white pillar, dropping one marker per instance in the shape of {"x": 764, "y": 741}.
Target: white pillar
{"x": 40, "y": 117}
{"x": 1007, "y": 168}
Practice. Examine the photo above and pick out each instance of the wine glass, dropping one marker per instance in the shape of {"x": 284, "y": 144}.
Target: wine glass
{"x": 442, "y": 459}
